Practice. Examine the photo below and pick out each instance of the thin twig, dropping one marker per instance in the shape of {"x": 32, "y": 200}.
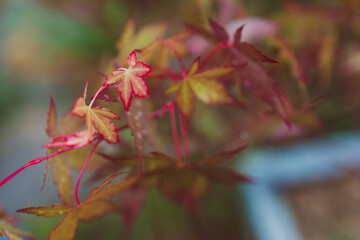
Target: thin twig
{"x": 33, "y": 162}
{"x": 83, "y": 170}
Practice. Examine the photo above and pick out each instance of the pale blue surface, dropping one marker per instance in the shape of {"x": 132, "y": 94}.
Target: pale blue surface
{"x": 272, "y": 169}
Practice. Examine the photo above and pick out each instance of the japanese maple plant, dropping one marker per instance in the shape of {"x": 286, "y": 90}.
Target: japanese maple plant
{"x": 173, "y": 79}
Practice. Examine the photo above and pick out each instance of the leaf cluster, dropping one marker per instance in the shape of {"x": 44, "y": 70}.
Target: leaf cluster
{"x": 230, "y": 72}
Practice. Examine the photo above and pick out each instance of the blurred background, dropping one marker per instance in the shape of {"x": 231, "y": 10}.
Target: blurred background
{"x": 50, "y": 48}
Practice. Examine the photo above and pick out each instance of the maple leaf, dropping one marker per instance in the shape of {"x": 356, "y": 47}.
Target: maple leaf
{"x": 182, "y": 185}
{"x": 130, "y": 80}
{"x": 96, "y": 118}
{"x": 219, "y": 34}
{"x": 159, "y": 51}
{"x": 94, "y": 207}
{"x": 202, "y": 85}
{"x": 253, "y": 75}
{"x": 130, "y": 39}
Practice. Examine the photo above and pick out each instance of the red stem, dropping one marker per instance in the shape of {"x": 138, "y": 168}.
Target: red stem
{"x": 185, "y": 138}
{"x": 177, "y": 55}
{"x": 33, "y": 162}
{"x": 83, "y": 170}
{"x": 175, "y": 135}
{"x": 159, "y": 111}
{"x": 215, "y": 49}
{"x": 96, "y": 95}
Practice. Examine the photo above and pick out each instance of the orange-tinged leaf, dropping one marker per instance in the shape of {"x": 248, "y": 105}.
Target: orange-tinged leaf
{"x": 159, "y": 53}
{"x": 185, "y": 99}
{"x": 130, "y": 80}
{"x": 96, "y": 118}
{"x": 194, "y": 67}
{"x": 130, "y": 40}
{"x": 173, "y": 87}
{"x": 66, "y": 229}
{"x": 89, "y": 122}
{"x": 105, "y": 127}
{"x": 210, "y": 91}
{"x": 52, "y": 211}
{"x": 85, "y": 90}
{"x": 79, "y": 108}
{"x": 62, "y": 177}
{"x": 253, "y": 53}
{"x": 69, "y": 124}
{"x": 148, "y": 34}
{"x": 124, "y": 88}
{"x": 51, "y": 119}
{"x": 94, "y": 209}
{"x": 98, "y": 189}
{"x": 215, "y": 72}
{"x": 203, "y": 85}
{"x": 115, "y": 188}
{"x": 139, "y": 87}
{"x": 127, "y": 35}
{"x": 179, "y": 41}
{"x": 115, "y": 77}
{"x": 105, "y": 112}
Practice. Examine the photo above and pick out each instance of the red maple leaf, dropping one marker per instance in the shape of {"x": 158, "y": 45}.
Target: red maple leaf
{"x": 130, "y": 80}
